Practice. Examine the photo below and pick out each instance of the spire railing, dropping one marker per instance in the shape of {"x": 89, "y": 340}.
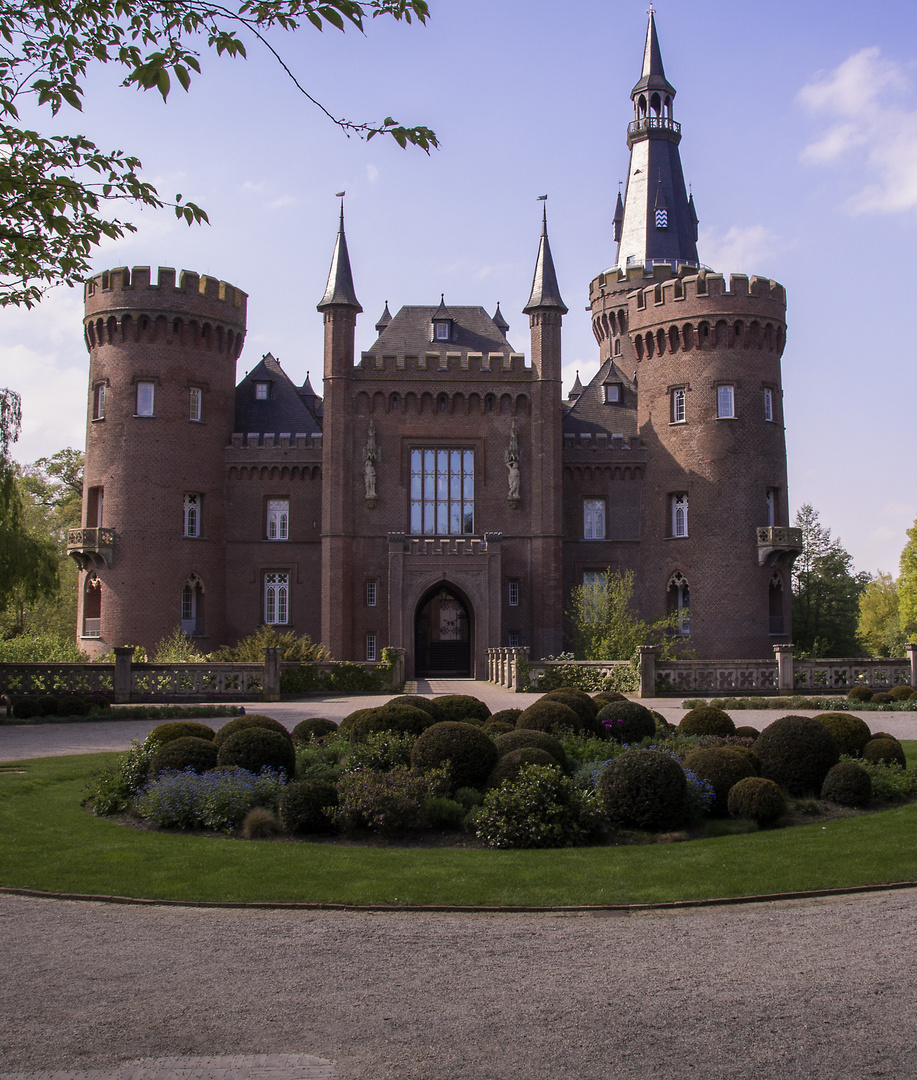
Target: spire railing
{"x": 653, "y": 123}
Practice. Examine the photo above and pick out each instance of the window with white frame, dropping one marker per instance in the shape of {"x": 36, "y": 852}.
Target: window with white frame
{"x": 617, "y": 346}
{"x": 613, "y": 394}
{"x": 513, "y": 639}
{"x": 679, "y": 506}
{"x": 678, "y": 405}
{"x": 371, "y": 592}
{"x": 262, "y": 391}
{"x": 768, "y": 403}
{"x": 278, "y": 519}
{"x": 195, "y": 396}
{"x": 514, "y": 594}
{"x": 593, "y": 519}
{"x": 98, "y": 401}
{"x": 145, "y": 398}
{"x": 725, "y": 402}
{"x": 276, "y": 598}
{"x": 370, "y": 646}
{"x": 442, "y": 492}
{"x": 679, "y": 603}
{"x": 191, "y": 506}
{"x": 192, "y": 607}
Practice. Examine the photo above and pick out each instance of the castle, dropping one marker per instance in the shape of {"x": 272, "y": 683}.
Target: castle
{"x": 442, "y": 496}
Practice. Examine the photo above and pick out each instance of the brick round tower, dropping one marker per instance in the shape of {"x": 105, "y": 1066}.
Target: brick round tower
{"x": 161, "y": 404}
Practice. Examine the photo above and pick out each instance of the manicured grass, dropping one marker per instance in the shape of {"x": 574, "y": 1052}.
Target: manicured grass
{"x": 49, "y": 842}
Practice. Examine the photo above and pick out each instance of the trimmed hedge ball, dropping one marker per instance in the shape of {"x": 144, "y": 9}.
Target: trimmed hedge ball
{"x": 498, "y": 727}
{"x": 724, "y": 767}
{"x": 504, "y": 716}
{"x": 850, "y": 732}
{"x": 707, "y": 720}
{"x": 188, "y": 752}
{"x": 860, "y": 693}
{"x": 242, "y": 723}
{"x": 404, "y": 719}
{"x": 885, "y": 752}
{"x": 663, "y": 728}
{"x": 747, "y": 732}
{"x": 181, "y": 729}
{"x": 257, "y": 748}
{"x": 27, "y": 708}
{"x": 757, "y": 799}
{"x": 462, "y": 708}
{"x": 644, "y": 789}
{"x": 626, "y": 721}
{"x": 317, "y": 727}
{"x": 606, "y": 697}
{"x": 551, "y": 716}
{"x": 797, "y": 752}
{"x": 847, "y": 784}
{"x": 512, "y": 763}
{"x": 429, "y": 705}
{"x": 468, "y": 750}
{"x": 302, "y": 804}
{"x": 900, "y": 693}
{"x": 749, "y": 753}
{"x": 71, "y": 705}
{"x": 580, "y": 702}
{"x": 519, "y": 737}
{"x": 882, "y": 698}
{"x": 351, "y": 718}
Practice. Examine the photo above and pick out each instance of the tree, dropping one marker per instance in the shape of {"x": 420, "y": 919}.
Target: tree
{"x": 53, "y": 189}
{"x": 907, "y": 586}
{"x": 878, "y": 627}
{"x": 826, "y": 592}
{"x": 605, "y": 626}
{"x": 28, "y": 564}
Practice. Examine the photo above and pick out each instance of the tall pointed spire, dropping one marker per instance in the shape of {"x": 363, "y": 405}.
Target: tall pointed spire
{"x": 652, "y": 77}
{"x": 339, "y": 290}
{"x": 545, "y": 293}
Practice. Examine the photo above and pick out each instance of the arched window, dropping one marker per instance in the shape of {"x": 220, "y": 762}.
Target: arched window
{"x": 92, "y": 607}
{"x": 192, "y": 607}
{"x": 678, "y": 599}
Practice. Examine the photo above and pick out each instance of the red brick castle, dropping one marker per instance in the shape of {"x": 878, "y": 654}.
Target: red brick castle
{"x": 443, "y": 496}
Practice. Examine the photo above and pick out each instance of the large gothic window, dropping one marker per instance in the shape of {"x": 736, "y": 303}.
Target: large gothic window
{"x": 442, "y": 492}
{"x": 678, "y": 602}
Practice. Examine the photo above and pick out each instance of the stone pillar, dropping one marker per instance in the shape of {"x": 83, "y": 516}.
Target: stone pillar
{"x": 785, "y": 680}
{"x": 647, "y": 671}
{"x": 123, "y": 656}
{"x": 519, "y": 656}
{"x": 271, "y": 681}
{"x": 397, "y": 676}
{"x": 911, "y": 648}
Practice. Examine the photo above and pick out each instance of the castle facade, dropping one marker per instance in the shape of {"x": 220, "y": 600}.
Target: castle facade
{"x": 442, "y": 495}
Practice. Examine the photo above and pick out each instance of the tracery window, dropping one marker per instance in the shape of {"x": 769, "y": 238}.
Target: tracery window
{"x": 442, "y": 492}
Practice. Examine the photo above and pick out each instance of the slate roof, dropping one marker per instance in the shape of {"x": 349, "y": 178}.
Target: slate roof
{"x": 652, "y": 77}
{"x": 545, "y": 293}
{"x": 410, "y": 333}
{"x": 340, "y": 290}
{"x": 589, "y": 411}
{"x": 283, "y": 412}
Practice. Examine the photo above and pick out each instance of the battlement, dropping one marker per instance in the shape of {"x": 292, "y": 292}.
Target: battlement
{"x": 601, "y": 442}
{"x": 430, "y": 363}
{"x": 269, "y": 441}
{"x": 125, "y": 289}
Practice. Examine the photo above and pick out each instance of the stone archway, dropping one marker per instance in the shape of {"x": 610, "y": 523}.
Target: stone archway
{"x": 443, "y": 634}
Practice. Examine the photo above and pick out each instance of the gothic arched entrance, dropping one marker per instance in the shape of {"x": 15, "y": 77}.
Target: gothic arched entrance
{"x": 443, "y": 631}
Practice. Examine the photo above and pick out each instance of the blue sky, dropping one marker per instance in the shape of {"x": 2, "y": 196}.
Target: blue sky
{"x": 799, "y": 130}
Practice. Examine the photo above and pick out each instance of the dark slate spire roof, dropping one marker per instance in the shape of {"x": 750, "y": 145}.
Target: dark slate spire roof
{"x": 652, "y": 77}
{"x": 692, "y": 214}
{"x": 576, "y": 389}
{"x": 384, "y": 319}
{"x": 545, "y": 293}
{"x": 619, "y": 216}
{"x": 501, "y": 324}
{"x": 283, "y": 411}
{"x": 340, "y": 290}
{"x": 442, "y": 312}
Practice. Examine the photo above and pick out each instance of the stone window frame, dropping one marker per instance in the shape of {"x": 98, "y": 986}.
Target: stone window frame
{"x": 192, "y": 507}
{"x": 145, "y": 396}
{"x": 371, "y": 647}
{"x": 678, "y": 411}
{"x": 98, "y": 399}
{"x": 372, "y": 592}
{"x": 678, "y": 515}
{"x": 594, "y": 519}
{"x": 512, "y": 592}
{"x": 725, "y": 400}
{"x": 277, "y": 518}
{"x": 276, "y": 597}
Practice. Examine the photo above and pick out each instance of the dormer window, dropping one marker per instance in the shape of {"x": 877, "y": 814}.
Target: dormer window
{"x": 441, "y": 330}
{"x": 613, "y": 393}
{"x": 262, "y": 391}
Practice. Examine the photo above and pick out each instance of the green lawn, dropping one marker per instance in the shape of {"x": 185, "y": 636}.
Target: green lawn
{"x": 48, "y": 842}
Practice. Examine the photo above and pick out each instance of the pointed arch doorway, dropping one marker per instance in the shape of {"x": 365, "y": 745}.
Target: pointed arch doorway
{"x": 443, "y": 634}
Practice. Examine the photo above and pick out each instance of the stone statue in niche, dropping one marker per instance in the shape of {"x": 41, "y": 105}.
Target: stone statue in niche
{"x": 512, "y": 466}
{"x": 370, "y": 456}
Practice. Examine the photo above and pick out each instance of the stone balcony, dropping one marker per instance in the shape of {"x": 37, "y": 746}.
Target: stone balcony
{"x": 777, "y": 543}
{"x": 91, "y": 548}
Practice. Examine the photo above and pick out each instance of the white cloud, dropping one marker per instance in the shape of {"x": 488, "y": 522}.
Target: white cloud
{"x": 280, "y": 202}
{"x": 870, "y": 103}
{"x": 740, "y": 250}
{"x": 372, "y": 173}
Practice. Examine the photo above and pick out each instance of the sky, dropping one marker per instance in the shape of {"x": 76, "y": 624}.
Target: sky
{"x": 799, "y": 140}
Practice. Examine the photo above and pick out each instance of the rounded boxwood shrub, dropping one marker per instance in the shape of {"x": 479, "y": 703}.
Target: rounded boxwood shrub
{"x": 626, "y": 721}
{"x": 504, "y": 716}
{"x": 519, "y": 737}
{"x": 405, "y": 719}
{"x": 748, "y": 752}
{"x": 580, "y": 702}
{"x": 187, "y": 752}
{"x": 913, "y": 696}
{"x": 552, "y": 716}
{"x": 900, "y": 693}
{"x": 882, "y": 698}
{"x": 747, "y": 732}
{"x": 885, "y": 752}
{"x": 724, "y": 767}
{"x": 663, "y": 728}
{"x": 797, "y": 752}
{"x": 27, "y": 708}
{"x": 498, "y": 727}
{"x": 317, "y": 727}
{"x": 707, "y": 720}
{"x": 47, "y": 705}
{"x": 847, "y": 784}
{"x": 257, "y": 748}
{"x": 71, "y": 705}
{"x": 850, "y": 732}
{"x": 860, "y": 693}
{"x": 757, "y": 799}
{"x": 242, "y": 723}
{"x": 302, "y": 806}
{"x": 430, "y": 705}
{"x": 514, "y": 761}
{"x": 181, "y": 729}
{"x": 606, "y": 697}
{"x": 644, "y": 789}
{"x": 350, "y": 719}
{"x": 462, "y": 708}
{"x": 468, "y": 751}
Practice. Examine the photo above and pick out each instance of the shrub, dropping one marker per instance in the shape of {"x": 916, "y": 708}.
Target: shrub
{"x": 504, "y": 716}
{"x": 315, "y": 728}
{"x": 796, "y": 752}
{"x": 580, "y": 702}
{"x": 402, "y": 718}
{"x": 750, "y": 755}
{"x": 499, "y": 727}
{"x": 724, "y": 767}
{"x": 551, "y": 716}
{"x": 746, "y": 732}
{"x": 757, "y": 799}
{"x": 540, "y": 808}
{"x": 467, "y": 751}
{"x": 218, "y": 799}
{"x": 345, "y": 726}
{"x": 242, "y": 723}
{"x": 189, "y": 752}
{"x": 293, "y": 649}
{"x": 47, "y": 705}
{"x": 260, "y": 824}
{"x": 463, "y": 708}
{"x": 850, "y": 732}
{"x": 913, "y": 696}
{"x": 886, "y": 751}
{"x": 430, "y": 705}
{"x": 257, "y": 748}
{"x": 389, "y": 802}
{"x": 27, "y": 708}
{"x": 900, "y": 693}
{"x": 627, "y": 721}
{"x": 98, "y": 702}
{"x": 307, "y": 806}
{"x": 383, "y": 750}
{"x": 847, "y": 784}
{"x": 519, "y": 737}
{"x": 606, "y": 697}
{"x": 513, "y": 761}
{"x": 860, "y": 693}
{"x": 882, "y": 698}
{"x": 468, "y": 797}
{"x": 181, "y": 729}
{"x": 71, "y": 705}
{"x": 707, "y": 720}
{"x": 890, "y": 783}
{"x": 438, "y": 812}
{"x": 700, "y": 795}
{"x": 663, "y": 728}
{"x": 117, "y": 785}
{"x": 644, "y": 789}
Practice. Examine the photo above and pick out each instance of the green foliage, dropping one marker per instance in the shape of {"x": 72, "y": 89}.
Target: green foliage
{"x": 707, "y": 720}
{"x": 886, "y": 751}
{"x": 605, "y": 626}
{"x": 622, "y": 678}
{"x": 257, "y": 748}
{"x": 327, "y": 752}
{"x": 847, "y": 784}
{"x": 439, "y": 812}
{"x": 381, "y": 750}
{"x": 879, "y": 628}
{"x": 796, "y": 752}
{"x": 724, "y": 767}
{"x": 188, "y": 752}
{"x": 429, "y": 705}
{"x": 627, "y": 721}
{"x": 177, "y": 648}
{"x": 644, "y": 789}
{"x": 907, "y": 586}
{"x": 294, "y": 648}
{"x": 890, "y": 781}
{"x": 462, "y": 708}
{"x": 181, "y": 729}
{"x": 115, "y": 788}
{"x": 307, "y": 806}
{"x": 260, "y": 824}
{"x": 551, "y": 716}
{"x": 504, "y": 716}
{"x": 826, "y": 592}
{"x": 387, "y": 802}
{"x": 514, "y": 761}
{"x": 757, "y": 799}
{"x": 850, "y": 732}
{"x": 464, "y": 749}
{"x": 583, "y": 747}
{"x": 580, "y": 702}
{"x": 520, "y": 737}
{"x": 540, "y": 808}
{"x": 860, "y": 693}
{"x": 37, "y": 648}
{"x": 217, "y": 800}
{"x": 317, "y": 727}
{"x": 249, "y": 720}
{"x": 399, "y": 717}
